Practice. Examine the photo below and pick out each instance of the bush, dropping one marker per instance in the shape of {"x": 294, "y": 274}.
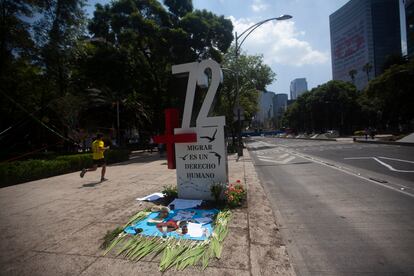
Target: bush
{"x": 170, "y": 192}
{"x": 23, "y": 171}
{"x": 29, "y": 170}
{"x": 115, "y": 156}
{"x": 77, "y": 161}
{"x": 217, "y": 190}
{"x": 359, "y": 133}
{"x": 231, "y": 148}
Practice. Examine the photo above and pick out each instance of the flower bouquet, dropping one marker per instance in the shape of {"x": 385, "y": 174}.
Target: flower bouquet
{"x": 235, "y": 194}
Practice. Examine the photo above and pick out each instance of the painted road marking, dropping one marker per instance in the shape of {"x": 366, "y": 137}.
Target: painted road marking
{"x": 401, "y": 189}
{"x": 391, "y": 168}
{"x": 284, "y": 161}
{"x": 406, "y": 161}
{"x": 346, "y": 170}
{"x": 349, "y": 172}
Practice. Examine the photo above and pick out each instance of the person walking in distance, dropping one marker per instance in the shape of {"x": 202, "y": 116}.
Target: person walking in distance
{"x": 98, "y": 148}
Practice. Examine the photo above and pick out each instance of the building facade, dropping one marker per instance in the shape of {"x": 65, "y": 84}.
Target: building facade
{"x": 364, "y": 32}
{"x": 298, "y": 87}
{"x": 264, "y": 116}
{"x": 279, "y": 105}
{"x": 409, "y": 19}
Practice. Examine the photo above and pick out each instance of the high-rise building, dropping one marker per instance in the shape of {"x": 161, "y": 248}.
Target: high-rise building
{"x": 264, "y": 114}
{"x": 279, "y": 105}
{"x": 298, "y": 87}
{"x": 409, "y": 17}
{"x": 364, "y": 32}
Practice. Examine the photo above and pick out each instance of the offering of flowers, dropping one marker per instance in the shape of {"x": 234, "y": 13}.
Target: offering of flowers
{"x": 235, "y": 194}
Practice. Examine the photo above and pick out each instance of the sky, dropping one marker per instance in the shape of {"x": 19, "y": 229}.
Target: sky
{"x": 294, "y": 48}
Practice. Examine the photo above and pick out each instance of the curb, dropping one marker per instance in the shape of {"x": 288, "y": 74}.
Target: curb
{"x": 310, "y": 139}
{"x": 386, "y": 143}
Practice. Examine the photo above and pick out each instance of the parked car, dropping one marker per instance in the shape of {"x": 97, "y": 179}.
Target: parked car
{"x": 332, "y": 133}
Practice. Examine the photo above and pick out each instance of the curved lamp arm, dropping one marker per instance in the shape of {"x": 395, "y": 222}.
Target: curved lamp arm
{"x": 249, "y": 30}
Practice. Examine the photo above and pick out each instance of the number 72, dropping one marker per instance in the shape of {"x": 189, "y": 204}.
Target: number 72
{"x": 197, "y": 76}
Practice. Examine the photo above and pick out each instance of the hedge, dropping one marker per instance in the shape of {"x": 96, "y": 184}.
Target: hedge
{"x": 29, "y": 170}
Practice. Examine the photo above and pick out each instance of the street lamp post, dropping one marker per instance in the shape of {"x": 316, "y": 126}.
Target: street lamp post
{"x": 243, "y": 37}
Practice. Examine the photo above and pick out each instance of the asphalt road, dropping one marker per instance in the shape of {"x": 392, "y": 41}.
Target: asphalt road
{"x": 400, "y": 159}
{"x": 341, "y": 216}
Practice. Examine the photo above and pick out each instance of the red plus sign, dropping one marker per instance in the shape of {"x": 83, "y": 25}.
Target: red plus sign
{"x": 171, "y": 122}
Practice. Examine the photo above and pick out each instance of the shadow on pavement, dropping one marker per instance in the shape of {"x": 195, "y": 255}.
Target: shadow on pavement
{"x": 140, "y": 159}
{"x": 89, "y": 185}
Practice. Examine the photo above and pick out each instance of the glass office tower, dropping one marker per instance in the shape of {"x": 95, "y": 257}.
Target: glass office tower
{"x": 364, "y": 32}
{"x": 409, "y": 17}
{"x": 298, "y": 87}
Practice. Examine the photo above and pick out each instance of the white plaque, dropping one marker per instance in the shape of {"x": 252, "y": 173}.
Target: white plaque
{"x": 201, "y": 164}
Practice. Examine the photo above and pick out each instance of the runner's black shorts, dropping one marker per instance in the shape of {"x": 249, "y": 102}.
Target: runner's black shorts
{"x": 99, "y": 162}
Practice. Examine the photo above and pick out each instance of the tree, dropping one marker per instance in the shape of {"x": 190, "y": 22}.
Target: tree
{"x": 179, "y": 8}
{"x": 367, "y": 68}
{"x": 52, "y": 79}
{"x": 150, "y": 40}
{"x": 22, "y": 87}
{"x": 393, "y": 60}
{"x": 61, "y": 25}
{"x": 15, "y": 39}
{"x": 254, "y": 76}
{"x": 332, "y": 105}
{"x": 352, "y": 74}
{"x": 208, "y": 35}
{"x": 391, "y": 93}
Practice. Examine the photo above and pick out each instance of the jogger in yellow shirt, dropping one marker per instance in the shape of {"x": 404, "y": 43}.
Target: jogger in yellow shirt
{"x": 98, "y": 149}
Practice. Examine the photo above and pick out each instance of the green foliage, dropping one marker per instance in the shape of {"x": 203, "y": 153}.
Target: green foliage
{"x": 137, "y": 217}
{"x": 367, "y": 68}
{"x": 179, "y": 7}
{"x": 23, "y": 171}
{"x": 62, "y": 83}
{"x": 359, "y": 132}
{"x": 352, "y": 74}
{"x": 391, "y": 97}
{"x": 136, "y": 44}
{"x": 394, "y": 59}
{"x": 15, "y": 36}
{"x": 110, "y": 237}
{"x": 253, "y": 74}
{"x": 115, "y": 156}
{"x": 29, "y": 170}
{"x": 333, "y": 105}
{"x": 170, "y": 191}
{"x": 235, "y": 194}
{"x": 231, "y": 148}
{"x": 217, "y": 190}
{"x": 76, "y": 161}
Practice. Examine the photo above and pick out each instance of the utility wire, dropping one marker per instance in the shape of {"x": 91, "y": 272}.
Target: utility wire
{"x": 7, "y": 129}
{"x": 37, "y": 120}
{"x": 28, "y": 153}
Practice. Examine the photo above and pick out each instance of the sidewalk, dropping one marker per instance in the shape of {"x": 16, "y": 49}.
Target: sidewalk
{"x": 55, "y": 226}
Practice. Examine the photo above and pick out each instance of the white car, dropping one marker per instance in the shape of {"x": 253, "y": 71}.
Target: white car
{"x": 332, "y": 133}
